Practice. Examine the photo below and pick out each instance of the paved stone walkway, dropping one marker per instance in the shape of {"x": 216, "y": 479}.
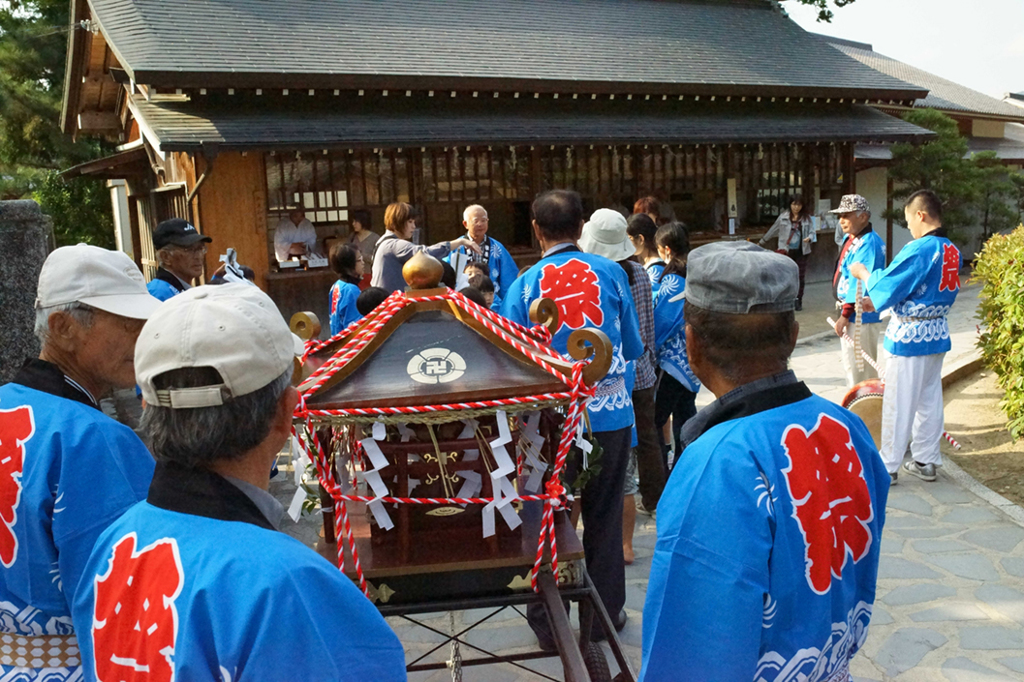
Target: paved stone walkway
{"x": 950, "y": 602}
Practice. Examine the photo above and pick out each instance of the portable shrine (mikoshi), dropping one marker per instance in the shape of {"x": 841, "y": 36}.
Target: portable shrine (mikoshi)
{"x": 440, "y": 432}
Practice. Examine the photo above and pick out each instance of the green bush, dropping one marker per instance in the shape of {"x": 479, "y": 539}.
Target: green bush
{"x": 1000, "y": 268}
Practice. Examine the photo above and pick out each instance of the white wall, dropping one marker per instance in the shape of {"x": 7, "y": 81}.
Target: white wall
{"x": 122, "y": 223}
{"x": 872, "y": 184}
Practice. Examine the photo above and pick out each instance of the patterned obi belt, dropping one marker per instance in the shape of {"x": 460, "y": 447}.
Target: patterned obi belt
{"x": 38, "y": 652}
{"x": 614, "y": 387}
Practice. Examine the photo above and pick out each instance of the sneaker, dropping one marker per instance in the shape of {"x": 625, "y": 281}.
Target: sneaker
{"x": 642, "y": 509}
{"x": 926, "y": 472}
{"x": 892, "y": 478}
{"x": 799, "y": 306}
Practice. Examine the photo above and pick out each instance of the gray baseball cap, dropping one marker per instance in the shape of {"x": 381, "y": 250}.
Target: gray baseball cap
{"x": 740, "y": 278}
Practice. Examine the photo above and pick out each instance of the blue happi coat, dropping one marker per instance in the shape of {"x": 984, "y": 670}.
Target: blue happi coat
{"x": 343, "y": 305}
{"x": 920, "y": 285}
{"x": 501, "y": 268}
{"x": 590, "y": 291}
{"x": 67, "y": 471}
{"x": 670, "y": 331}
{"x": 746, "y": 582}
{"x": 217, "y": 600}
{"x": 871, "y": 252}
{"x": 654, "y": 271}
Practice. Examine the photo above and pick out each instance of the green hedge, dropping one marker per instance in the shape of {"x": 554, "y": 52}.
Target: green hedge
{"x": 1000, "y": 268}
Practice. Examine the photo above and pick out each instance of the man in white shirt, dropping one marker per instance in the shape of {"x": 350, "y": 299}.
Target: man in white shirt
{"x": 294, "y": 236}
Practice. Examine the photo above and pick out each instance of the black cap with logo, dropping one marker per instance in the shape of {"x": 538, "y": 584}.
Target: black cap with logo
{"x": 177, "y": 232}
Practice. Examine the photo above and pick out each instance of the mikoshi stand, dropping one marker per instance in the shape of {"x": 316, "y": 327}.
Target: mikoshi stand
{"x": 440, "y": 432}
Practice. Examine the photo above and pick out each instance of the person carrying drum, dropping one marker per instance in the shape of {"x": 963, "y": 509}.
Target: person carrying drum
{"x": 920, "y": 285}
{"x": 768, "y": 537}
{"x": 862, "y": 245}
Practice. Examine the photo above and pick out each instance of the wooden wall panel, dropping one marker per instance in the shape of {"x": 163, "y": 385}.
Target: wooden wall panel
{"x": 232, "y": 210}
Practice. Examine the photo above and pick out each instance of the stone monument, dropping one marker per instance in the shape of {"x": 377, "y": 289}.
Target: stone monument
{"x": 26, "y": 238}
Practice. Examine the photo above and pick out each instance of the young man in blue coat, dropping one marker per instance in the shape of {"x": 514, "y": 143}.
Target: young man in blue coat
{"x": 768, "y": 537}
{"x": 920, "y": 285}
{"x": 196, "y": 583}
{"x": 590, "y": 291}
{"x": 67, "y": 470}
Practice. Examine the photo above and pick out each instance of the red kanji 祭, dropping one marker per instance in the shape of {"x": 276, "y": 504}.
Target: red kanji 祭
{"x": 950, "y": 268}
{"x": 573, "y": 286}
{"x": 830, "y": 495}
{"x": 16, "y": 427}
{"x": 135, "y": 622}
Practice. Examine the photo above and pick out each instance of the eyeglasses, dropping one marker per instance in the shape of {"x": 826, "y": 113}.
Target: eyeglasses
{"x": 194, "y": 250}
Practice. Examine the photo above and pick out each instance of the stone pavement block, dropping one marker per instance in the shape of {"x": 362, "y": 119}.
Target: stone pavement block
{"x": 1002, "y": 538}
{"x": 1008, "y": 601}
{"x": 880, "y": 616}
{"x": 1014, "y": 663}
{"x": 939, "y": 546}
{"x": 893, "y": 521}
{"x": 473, "y": 615}
{"x": 965, "y": 670}
{"x": 906, "y": 647}
{"x": 972, "y": 566}
{"x": 949, "y": 612}
{"x": 907, "y": 501}
{"x": 929, "y": 532}
{"x": 635, "y": 595}
{"x": 897, "y": 567}
{"x": 1014, "y": 566}
{"x": 917, "y": 594}
{"x": 991, "y": 638}
{"x": 892, "y": 545}
{"x": 502, "y": 638}
{"x": 969, "y": 516}
{"x": 947, "y": 492}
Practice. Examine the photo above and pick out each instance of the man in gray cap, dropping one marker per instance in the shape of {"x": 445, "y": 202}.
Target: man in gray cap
{"x": 768, "y": 533}
{"x": 66, "y": 469}
{"x": 861, "y": 244}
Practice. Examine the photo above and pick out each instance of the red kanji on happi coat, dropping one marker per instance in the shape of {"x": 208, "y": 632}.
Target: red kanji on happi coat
{"x": 830, "y": 498}
{"x": 950, "y": 268}
{"x": 16, "y": 428}
{"x": 573, "y": 287}
{"x": 135, "y": 622}
{"x": 335, "y": 295}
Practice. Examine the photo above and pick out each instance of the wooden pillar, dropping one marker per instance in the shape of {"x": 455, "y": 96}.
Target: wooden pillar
{"x": 888, "y": 218}
{"x": 849, "y": 170}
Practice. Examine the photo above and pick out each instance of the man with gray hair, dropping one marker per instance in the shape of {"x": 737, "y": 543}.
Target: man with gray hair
{"x": 772, "y": 527}
{"x": 196, "y": 583}
{"x": 862, "y": 245}
{"x": 495, "y": 257}
{"x": 181, "y": 251}
{"x": 66, "y": 469}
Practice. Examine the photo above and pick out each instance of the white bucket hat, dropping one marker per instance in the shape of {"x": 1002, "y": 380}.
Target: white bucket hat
{"x": 99, "y": 278}
{"x": 234, "y": 328}
{"x": 605, "y": 235}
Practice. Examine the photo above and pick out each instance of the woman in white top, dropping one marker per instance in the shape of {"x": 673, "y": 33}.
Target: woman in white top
{"x": 796, "y": 234}
{"x": 394, "y": 248}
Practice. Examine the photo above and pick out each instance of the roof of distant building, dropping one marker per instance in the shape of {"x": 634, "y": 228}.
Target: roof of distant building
{"x": 943, "y": 94}
{"x": 686, "y": 46}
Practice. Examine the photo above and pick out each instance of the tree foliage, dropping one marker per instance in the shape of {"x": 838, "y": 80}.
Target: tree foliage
{"x": 33, "y": 45}
{"x": 995, "y": 194}
{"x": 825, "y": 12}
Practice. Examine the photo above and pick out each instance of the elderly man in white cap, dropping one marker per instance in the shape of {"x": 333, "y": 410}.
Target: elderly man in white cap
{"x": 66, "y": 470}
{"x": 768, "y": 537}
{"x": 605, "y": 235}
{"x": 196, "y": 583}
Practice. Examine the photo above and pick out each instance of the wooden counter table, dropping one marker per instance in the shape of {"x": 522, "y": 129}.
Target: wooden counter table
{"x": 303, "y": 290}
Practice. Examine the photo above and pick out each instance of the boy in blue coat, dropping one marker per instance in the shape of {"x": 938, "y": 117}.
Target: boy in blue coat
{"x": 920, "y": 285}
{"x": 768, "y": 538}
{"x": 196, "y": 583}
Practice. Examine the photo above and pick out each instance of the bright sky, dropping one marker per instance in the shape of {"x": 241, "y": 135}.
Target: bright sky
{"x": 977, "y": 43}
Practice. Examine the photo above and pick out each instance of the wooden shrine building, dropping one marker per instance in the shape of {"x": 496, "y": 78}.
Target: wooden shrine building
{"x": 228, "y": 112}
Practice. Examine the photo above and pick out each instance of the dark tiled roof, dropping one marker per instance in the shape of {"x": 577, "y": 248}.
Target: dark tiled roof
{"x": 1008, "y": 148}
{"x": 943, "y": 94}
{"x": 693, "y": 46}
{"x": 234, "y": 123}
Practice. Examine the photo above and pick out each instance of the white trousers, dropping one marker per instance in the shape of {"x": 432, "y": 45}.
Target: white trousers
{"x": 912, "y": 410}
{"x": 869, "y": 334}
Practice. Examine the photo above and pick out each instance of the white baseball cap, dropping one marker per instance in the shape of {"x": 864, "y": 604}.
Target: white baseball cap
{"x": 234, "y": 328}
{"x": 605, "y": 235}
{"x": 97, "y": 277}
